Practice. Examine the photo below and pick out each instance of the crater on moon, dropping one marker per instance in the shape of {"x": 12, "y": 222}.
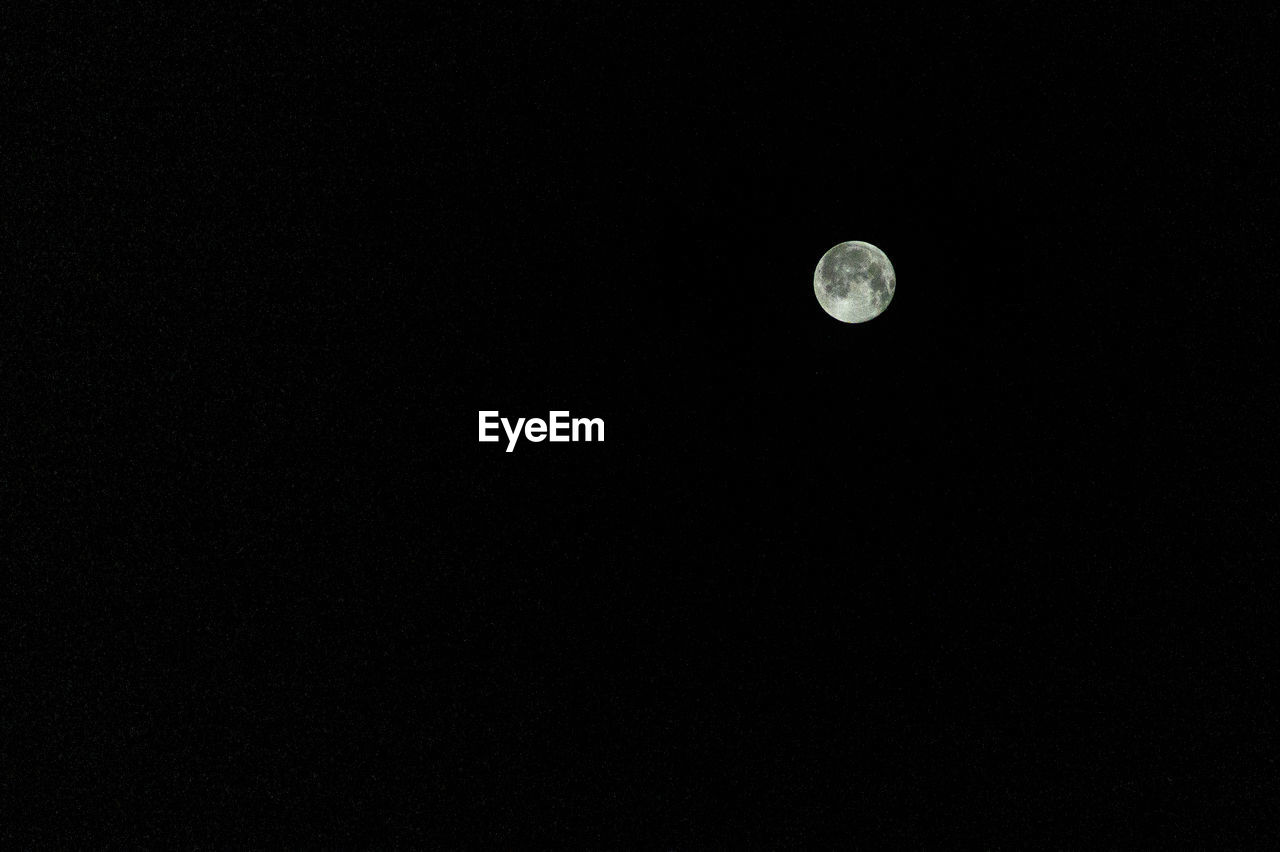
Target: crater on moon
{"x": 854, "y": 282}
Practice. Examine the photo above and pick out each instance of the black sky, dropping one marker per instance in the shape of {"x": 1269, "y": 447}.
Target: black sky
{"x": 992, "y": 568}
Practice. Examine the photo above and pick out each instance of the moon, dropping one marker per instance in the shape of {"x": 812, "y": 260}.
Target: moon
{"x": 854, "y": 281}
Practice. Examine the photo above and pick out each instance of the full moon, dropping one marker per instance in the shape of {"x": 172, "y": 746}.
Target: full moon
{"x": 854, "y": 282}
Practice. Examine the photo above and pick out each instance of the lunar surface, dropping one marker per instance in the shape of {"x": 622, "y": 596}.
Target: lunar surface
{"x": 854, "y": 282}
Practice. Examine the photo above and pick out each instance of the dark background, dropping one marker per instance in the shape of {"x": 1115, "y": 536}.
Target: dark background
{"x": 993, "y": 568}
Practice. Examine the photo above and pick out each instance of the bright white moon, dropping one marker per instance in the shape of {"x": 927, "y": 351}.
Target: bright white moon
{"x": 854, "y": 282}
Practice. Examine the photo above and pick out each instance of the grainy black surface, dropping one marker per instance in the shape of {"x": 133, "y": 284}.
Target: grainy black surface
{"x": 991, "y": 570}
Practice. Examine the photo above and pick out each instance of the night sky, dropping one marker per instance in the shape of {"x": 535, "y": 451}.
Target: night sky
{"x": 993, "y": 568}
